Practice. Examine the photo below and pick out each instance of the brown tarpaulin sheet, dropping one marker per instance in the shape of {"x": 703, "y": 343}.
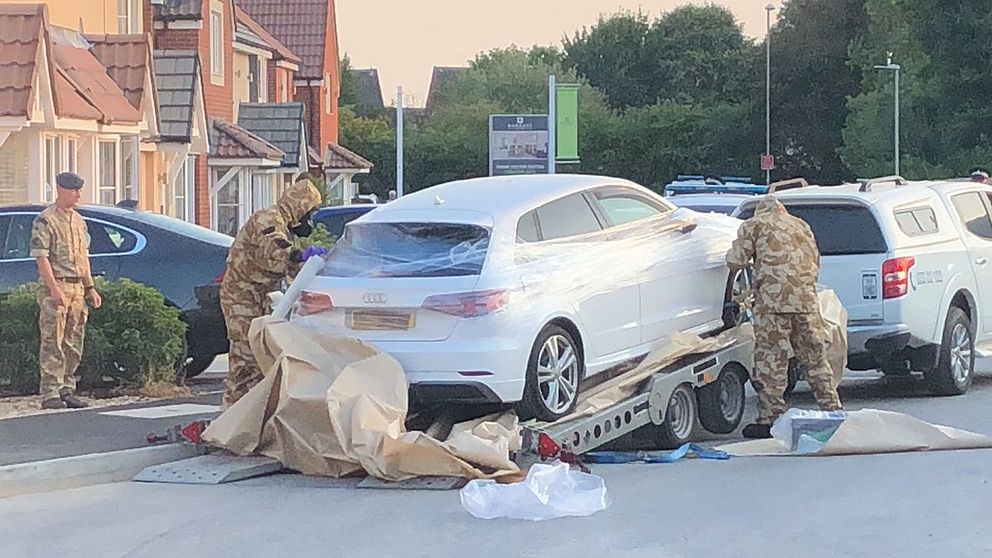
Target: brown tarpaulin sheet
{"x": 874, "y": 431}
{"x": 333, "y": 407}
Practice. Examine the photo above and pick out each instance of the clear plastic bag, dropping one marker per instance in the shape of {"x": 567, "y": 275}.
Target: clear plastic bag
{"x": 549, "y": 492}
{"x": 804, "y": 431}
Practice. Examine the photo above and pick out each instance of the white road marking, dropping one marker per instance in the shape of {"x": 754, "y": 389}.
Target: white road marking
{"x": 182, "y": 409}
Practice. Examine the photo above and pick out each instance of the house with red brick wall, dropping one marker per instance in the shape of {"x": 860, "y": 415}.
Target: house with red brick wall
{"x": 69, "y": 102}
{"x": 252, "y": 153}
{"x": 308, "y": 28}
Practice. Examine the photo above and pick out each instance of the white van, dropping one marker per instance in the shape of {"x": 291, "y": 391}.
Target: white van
{"x": 912, "y": 263}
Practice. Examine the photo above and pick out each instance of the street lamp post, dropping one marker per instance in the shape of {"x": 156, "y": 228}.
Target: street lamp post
{"x": 768, "y": 87}
{"x": 894, "y": 68}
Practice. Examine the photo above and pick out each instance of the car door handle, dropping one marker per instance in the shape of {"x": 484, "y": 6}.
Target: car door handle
{"x": 982, "y": 261}
{"x": 99, "y": 273}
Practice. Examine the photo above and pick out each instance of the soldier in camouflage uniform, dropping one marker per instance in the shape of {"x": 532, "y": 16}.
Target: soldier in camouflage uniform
{"x": 786, "y": 265}
{"x": 60, "y": 245}
{"x": 261, "y": 255}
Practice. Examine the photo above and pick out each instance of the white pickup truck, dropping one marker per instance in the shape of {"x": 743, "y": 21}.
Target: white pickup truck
{"x": 912, "y": 263}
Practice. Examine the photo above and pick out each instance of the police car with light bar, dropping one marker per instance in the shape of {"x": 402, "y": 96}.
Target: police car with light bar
{"x": 708, "y": 194}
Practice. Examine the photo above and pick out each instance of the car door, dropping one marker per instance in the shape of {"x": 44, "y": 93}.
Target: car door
{"x": 673, "y": 296}
{"x": 973, "y": 209}
{"x": 108, "y": 244}
{"x": 573, "y": 263}
{"x": 17, "y": 267}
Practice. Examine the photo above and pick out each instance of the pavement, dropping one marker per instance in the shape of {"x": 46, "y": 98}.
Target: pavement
{"x": 912, "y": 504}
{"x": 88, "y": 431}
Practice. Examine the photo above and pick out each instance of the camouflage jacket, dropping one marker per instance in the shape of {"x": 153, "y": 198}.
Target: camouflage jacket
{"x": 784, "y": 256}
{"x": 260, "y": 254}
{"x": 61, "y": 237}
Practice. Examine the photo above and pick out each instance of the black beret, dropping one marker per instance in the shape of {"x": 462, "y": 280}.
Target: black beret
{"x": 69, "y": 181}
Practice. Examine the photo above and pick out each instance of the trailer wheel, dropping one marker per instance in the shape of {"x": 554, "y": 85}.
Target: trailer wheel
{"x": 680, "y": 419}
{"x": 721, "y": 403}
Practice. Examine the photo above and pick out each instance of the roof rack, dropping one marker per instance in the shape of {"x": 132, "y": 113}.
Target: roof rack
{"x": 787, "y": 185}
{"x": 868, "y": 183}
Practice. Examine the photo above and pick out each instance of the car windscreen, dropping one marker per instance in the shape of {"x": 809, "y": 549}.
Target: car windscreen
{"x": 409, "y": 250}
{"x": 840, "y": 229}
{"x": 179, "y": 226}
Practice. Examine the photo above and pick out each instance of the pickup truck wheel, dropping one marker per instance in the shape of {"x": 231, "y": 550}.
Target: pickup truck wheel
{"x": 956, "y": 364}
{"x": 738, "y": 285}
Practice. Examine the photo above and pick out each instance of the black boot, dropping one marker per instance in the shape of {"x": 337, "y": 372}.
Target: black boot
{"x": 53, "y": 403}
{"x": 71, "y": 401}
{"x": 758, "y": 431}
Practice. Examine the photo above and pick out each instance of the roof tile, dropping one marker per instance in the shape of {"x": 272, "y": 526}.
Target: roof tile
{"x": 230, "y": 141}
{"x": 274, "y": 44}
{"x": 339, "y": 158}
{"x": 176, "y": 75}
{"x": 280, "y": 124}
{"x": 126, "y": 60}
{"x": 300, "y": 25}
{"x": 170, "y": 10}
{"x": 92, "y": 83}
{"x": 21, "y": 32}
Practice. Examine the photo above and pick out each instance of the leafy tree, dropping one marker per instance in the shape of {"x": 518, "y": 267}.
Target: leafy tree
{"x": 612, "y": 56}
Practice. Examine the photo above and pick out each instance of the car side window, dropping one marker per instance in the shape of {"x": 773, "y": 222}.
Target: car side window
{"x": 15, "y": 236}
{"x": 971, "y": 209}
{"x": 568, "y": 216}
{"x": 917, "y": 221}
{"x": 527, "y": 228}
{"x": 623, "y": 206}
{"x": 108, "y": 239}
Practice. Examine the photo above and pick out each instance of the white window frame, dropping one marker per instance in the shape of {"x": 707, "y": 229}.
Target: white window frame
{"x": 128, "y": 17}
{"x": 130, "y": 143}
{"x": 100, "y": 171}
{"x": 72, "y": 153}
{"x": 51, "y": 168}
{"x": 181, "y": 192}
{"x": 243, "y": 177}
{"x": 217, "y": 45}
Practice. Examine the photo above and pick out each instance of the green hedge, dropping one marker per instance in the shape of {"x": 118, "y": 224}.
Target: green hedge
{"x": 133, "y": 339}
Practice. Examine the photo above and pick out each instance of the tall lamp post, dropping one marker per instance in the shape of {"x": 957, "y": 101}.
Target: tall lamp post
{"x": 768, "y": 88}
{"x": 894, "y": 68}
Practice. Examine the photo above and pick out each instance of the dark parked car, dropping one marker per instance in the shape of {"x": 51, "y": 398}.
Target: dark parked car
{"x": 335, "y": 218}
{"x": 184, "y": 262}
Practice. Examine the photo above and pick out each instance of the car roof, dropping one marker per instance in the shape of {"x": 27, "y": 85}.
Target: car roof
{"x": 709, "y": 199}
{"x": 104, "y": 209}
{"x": 354, "y": 208}
{"x": 880, "y": 193}
{"x": 500, "y": 196}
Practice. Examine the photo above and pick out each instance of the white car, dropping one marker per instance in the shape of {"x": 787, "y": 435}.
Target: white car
{"x": 912, "y": 264}
{"x": 725, "y": 204}
{"x": 514, "y": 289}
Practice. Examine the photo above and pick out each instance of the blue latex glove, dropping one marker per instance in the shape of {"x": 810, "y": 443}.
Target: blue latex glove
{"x": 314, "y": 250}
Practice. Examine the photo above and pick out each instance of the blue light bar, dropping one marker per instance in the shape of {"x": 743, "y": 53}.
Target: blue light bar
{"x": 677, "y": 188}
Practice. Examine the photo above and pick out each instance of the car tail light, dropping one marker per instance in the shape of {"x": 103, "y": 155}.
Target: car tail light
{"x": 468, "y": 305}
{"x": 895, "y": 277}
{"x": 314, "y": 303}
{"x": 220, "y": 278}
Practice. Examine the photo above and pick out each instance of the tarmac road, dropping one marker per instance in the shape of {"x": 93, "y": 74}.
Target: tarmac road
{"x": 922, "y": 504}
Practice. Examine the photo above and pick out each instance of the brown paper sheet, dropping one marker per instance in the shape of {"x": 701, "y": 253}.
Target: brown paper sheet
{"x": 873, "y": 431}
{"x": 335, "y": 407}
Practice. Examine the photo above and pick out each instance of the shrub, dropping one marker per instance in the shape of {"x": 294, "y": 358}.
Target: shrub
{"x": 133, "y": 339}
{"x": 319, "y": 237}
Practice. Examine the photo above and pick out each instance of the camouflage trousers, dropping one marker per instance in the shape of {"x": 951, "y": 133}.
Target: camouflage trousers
{"x": 806, "y": 334}
{"x": 240, "y": 307}
{"x": 61, "y": 331}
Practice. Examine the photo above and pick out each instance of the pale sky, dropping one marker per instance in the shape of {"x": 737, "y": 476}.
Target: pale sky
{"x": 404, "y": 39}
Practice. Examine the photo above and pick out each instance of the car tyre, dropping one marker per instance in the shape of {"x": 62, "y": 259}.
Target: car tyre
{"x": 734, "y": 313}
{"x": 721, "y": 403}
{"x": 956, "y": 363}
{"x": 554, "y": 371}
{"x": 197, "y": 364}
{"x": 680, "y": 419}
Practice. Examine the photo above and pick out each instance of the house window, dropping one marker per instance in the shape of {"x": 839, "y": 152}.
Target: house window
{"x": 286, "y": 96}
{"x": 53, "y": 165}
{"x": 217, "y": 44}
{"x": 182, "y": 189}
{"x": 228, "y": 204}
{"x": 261, "y": 191}
{"x": 129, "y": 168}
{"x": 128, "y": 17}
{"x": 107, "y": 186}
{"x": 254, "y": 79}
{"x": 71, "y": 153}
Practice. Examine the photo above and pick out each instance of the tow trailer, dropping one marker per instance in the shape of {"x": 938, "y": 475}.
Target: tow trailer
{"x": 665, "y": 408}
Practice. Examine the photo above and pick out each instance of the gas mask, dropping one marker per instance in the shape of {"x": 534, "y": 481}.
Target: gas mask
{"x": 305, "y": 226}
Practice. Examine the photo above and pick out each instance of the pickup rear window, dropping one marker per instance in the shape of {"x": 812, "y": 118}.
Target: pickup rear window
{"x": 840, "y": 229}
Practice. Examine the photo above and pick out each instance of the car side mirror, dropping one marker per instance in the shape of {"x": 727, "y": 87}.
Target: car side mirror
{"x": 688, "y": 227}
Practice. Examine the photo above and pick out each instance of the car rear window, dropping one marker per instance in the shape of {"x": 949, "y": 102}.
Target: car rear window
{"x": 409, "y": 250}
{"x": 179, "y": 226}
{"x": 840, "y": 229}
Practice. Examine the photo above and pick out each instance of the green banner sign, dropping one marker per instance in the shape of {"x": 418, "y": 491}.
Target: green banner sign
{"x": 567, "y": 120}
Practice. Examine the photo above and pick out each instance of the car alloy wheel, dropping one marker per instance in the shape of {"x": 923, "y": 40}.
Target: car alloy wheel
{"x": 960, "y": 353}
{"x": 558, "y": 373}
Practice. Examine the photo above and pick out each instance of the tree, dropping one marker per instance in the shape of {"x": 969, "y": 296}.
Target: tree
{"x": 611, "y": 55}
{"x": 375, "y": 139}
{"x": 811, "y": 83}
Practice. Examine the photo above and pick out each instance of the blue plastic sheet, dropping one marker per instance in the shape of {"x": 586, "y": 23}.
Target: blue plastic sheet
{"x": 621, "y": 457}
